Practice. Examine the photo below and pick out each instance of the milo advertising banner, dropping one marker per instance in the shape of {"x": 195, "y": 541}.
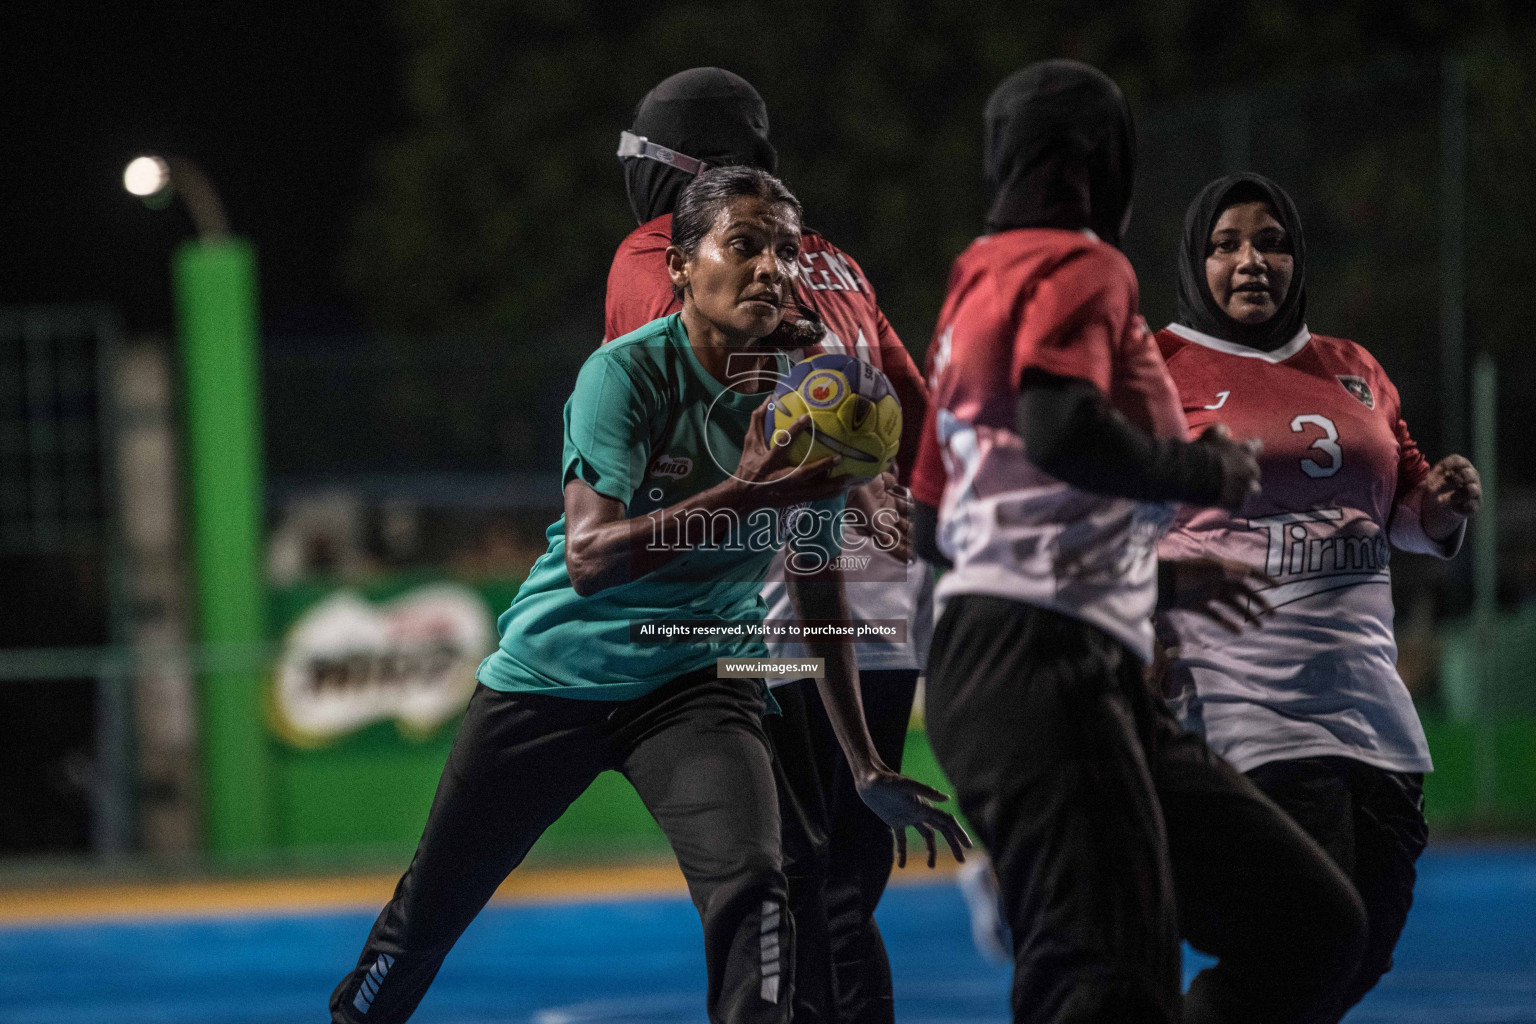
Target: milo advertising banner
{"x": 360, "y": 706}
{"x": 361, "y": 702}
{"x": 348, "y": 662}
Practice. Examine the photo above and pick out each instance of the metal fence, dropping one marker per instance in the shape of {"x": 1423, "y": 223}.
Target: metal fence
{"x": 440, "y": 457}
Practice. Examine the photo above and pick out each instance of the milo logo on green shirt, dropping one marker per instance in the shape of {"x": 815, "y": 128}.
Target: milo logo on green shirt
{"x": 674, "y": 467}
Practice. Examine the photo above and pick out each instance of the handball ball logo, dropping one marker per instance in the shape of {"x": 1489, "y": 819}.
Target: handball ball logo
{"x": 854, "y": 413}
{"x": 823, "y": 389}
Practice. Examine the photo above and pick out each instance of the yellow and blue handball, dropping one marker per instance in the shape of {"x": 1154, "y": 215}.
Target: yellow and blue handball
{"x": 854, "y": 413}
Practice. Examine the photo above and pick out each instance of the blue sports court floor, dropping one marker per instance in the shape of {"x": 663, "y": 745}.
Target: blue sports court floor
{"x": 1468, "y": 957}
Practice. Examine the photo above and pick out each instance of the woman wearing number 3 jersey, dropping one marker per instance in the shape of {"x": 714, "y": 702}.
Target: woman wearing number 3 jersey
{"x": 1307, "y": 700}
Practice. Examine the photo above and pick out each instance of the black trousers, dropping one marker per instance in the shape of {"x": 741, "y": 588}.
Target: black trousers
{"x": 1112, "y": 830}
{"x": 695, "y": 752}
{"x": 1371, "y": 822}
{"x": 838, "y": 854}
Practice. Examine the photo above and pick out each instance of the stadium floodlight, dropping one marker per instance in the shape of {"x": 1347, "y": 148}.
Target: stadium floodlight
{"x": 154, "y": 178}
{"x": 146, "y": 175}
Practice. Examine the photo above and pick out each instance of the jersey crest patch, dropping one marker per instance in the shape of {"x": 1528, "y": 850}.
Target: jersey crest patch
{"x": 1359, "y": 388}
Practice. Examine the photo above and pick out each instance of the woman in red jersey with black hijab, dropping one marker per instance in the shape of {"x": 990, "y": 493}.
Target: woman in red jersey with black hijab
{"x": 1054, "y": 447}
{"x": 1307, "y": 701}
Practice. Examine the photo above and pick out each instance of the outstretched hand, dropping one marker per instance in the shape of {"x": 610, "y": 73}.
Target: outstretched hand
{"x": 904, "y": 803}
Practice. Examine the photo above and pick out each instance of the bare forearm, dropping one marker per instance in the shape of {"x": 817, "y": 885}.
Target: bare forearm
{"x": 823, "y": 598}
{"x": 841, "y": 696}
{"x": 608, "y": 554}
{"x": 914, "y": 407}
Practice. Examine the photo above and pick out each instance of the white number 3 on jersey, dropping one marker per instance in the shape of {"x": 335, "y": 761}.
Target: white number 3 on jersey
{"x": 1328, "y": 445}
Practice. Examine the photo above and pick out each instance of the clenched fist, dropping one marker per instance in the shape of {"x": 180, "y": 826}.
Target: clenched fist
{"x": 1454, "y": 493}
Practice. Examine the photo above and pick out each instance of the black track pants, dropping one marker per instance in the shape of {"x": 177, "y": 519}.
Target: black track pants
{"x": 1371, "y": 822}
{"x": 1253, "y": 890}
{"x": 696, "y": 754}
{"x": 838, "y": 854}
{"x": 1110, "y": 829}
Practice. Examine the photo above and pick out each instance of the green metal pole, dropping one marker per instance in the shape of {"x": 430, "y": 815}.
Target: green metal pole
{"x": 1485, "y": 577}
{"x": 1485, "y": 451}
{"x": 1453, "y": 263}
{"x": 216, "y": 300}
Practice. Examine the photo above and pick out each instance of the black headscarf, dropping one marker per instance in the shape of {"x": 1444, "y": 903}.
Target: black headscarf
{"x": 706, "y": 113}
{"x": 1060, "y": 151}
{"x": 1197, "y": 307}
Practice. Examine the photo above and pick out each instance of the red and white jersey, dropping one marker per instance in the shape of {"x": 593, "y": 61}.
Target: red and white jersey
{"x": 1065, "y": 303}
{"x": 1319, "y": 676}
{"x": 639, "y": 291}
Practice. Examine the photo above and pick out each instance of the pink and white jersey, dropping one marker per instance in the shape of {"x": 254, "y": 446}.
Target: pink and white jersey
{"x": 1065, "y": 303}
{"x": 1319, "y": 676}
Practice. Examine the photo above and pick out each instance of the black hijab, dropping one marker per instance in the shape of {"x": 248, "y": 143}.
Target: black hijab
{"x": 706, "y": 113}
{"x": 1197, "y": 307}
{"x": 1059, "y": 151}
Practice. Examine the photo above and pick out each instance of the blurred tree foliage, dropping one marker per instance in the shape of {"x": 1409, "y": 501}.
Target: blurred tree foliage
{"x": 495, "y": 212}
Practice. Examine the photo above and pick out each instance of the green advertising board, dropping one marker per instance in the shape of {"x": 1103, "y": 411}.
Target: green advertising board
{"x": 361, "y": 703}
{"x": 361, "y": 706}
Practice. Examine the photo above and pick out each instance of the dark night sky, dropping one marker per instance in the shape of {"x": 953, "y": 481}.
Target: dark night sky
{"x": 279, "y": 102}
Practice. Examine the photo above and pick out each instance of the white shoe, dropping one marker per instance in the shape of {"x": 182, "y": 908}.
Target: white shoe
{"x": 989, "y": 929}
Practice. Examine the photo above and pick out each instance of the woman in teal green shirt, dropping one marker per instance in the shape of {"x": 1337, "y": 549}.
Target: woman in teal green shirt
{"x": 674, "y": 507}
